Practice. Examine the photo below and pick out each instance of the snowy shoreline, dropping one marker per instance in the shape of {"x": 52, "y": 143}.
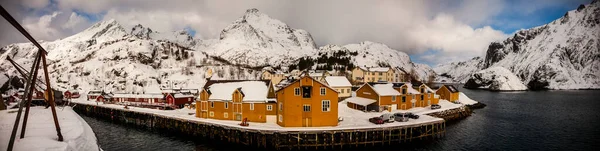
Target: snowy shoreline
{"x": 41, "y": 133}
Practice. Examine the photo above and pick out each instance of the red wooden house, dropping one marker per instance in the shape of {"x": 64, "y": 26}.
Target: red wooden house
{"x": 93, "y": 94}
{"x": 179, "y": 99}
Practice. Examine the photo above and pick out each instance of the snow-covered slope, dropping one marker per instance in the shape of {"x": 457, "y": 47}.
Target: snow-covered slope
{"x": 560, "y": 55}
{"x": 256, "y": 40}
{"x": 105, "y": 56}
{"x": 495, "y": 78}
{"x": 372, "y": 54}
{"x": 458, "y": 71}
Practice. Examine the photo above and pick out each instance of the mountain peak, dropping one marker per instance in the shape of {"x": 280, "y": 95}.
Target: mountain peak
{"x": 252, "y": 10}
{"x": 141, "y": 31}
{"x": 105, "y": 29}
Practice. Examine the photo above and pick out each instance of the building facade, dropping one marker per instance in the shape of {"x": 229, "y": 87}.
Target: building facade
{"x": 237, "y": 100}
{"x": 448, "y": 92}
{"x": 340, "y": 84}
{"x": 307, "y": 102}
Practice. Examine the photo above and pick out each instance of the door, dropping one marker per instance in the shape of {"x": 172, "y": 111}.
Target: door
{"x": 394, "y": 107}
{"x": 238, "y": 117}
{"x": 204, "y": 115}
{"x": 307, "y": 122}
{"x": 271, "y": 119}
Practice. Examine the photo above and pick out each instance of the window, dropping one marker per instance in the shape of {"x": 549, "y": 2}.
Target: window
{"x": 326, "y": 106}
{"x": 297, "y": 91}
{"x": 306, "y": 107}
{"x": 403, "y": 90}
{"x": 212, "y": 104}
{"x": 280, "y": 106}
{"x": 269, "y": 107}
{"x": 226, "y": 105}
{"x": 380, "y": 73}
{"x": 306, "y": 90}
{"x": 429, "y": 95}
{"x": 422, "y": 90}
{"x": 225, "y": 115}
{"x": 422, "y": 97}
{"x": 280, "y": 118}
{"x": 322, "y": 90}
{"x": 348, "y": 90}
{"x": 251, "y": 106}
{"x": 211, "y": 114}
{"x": 403, "y": 99}
{"x": 413, "y": 104}
{"x": 393, "y": 98}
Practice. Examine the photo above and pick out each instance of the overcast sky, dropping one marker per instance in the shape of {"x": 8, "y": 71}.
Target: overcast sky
{"x": 430, "y": 31}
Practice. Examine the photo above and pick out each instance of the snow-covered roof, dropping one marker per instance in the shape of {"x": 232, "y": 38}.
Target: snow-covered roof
{"x": 410, "y": 89}
{"x": 179, "y": 95}
{"x": 360, "y": 101}
{"x": 315, "y": 74}
{"x": 253, "y": 90}
{"x": 143, "y": 96}
{"x": 379, "y": 69}
{"x": 337, "y": 81}
{"x": 385, "y": 89}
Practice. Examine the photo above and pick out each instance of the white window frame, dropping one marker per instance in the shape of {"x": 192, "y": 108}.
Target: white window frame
{"x": 211, "y": 114}
{"x": 226, "y": 105}
{"x": 251, "y": 106}
{"x": 280, "y": 118}
{"x": 393, "y": 98}
{"x": 304, "y": 107}
{"x": 225, "y": 115}
{"x": 269, "y": 107}
{"x": 323, "y": 91}
{"x": 297, "y": 91}
{"x": 325, "y": 108}
{"x": 212, "y": 104}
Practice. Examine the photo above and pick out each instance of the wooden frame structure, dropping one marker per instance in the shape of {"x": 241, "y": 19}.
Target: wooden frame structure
{"x": 40, "y": 56}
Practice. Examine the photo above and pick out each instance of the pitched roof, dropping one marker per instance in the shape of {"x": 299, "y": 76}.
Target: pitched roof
{"x": 410, "y": 89}
{"x": 379, "y": 69}
{"x": 360, "y": 101}
{"x": 211, "y": 82}
{"x": 285, "y": 86}
{"x": 451, "y": 88}
{"x": 337, "y": 81}
{"x": 256, "y": 90}
{"x": 385, "y": 89}
{"x": 145, "y": 96}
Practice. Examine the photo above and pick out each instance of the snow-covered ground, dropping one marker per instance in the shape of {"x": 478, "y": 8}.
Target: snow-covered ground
{"x": 464, "y": 99}
{"x": 352, "y": 119}
{"x": 41, "y": 134}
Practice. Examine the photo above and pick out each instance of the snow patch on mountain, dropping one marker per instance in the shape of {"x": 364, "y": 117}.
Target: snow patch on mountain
{"x": 495, "y": 78}
{"x": 257, "y": 40}
{"x": 458, "y": 71}
{"x": 560, "y": 55}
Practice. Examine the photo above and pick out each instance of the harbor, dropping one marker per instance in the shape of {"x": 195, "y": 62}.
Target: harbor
{"x": 267, "y": 138}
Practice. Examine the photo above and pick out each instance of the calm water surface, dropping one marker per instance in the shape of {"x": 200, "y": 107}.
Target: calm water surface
{"x": 539, "y": 120}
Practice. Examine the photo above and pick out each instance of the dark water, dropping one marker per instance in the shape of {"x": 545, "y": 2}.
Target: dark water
{"x": 539, "y": 120}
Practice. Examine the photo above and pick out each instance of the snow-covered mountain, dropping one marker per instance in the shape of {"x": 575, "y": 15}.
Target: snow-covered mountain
{"x": 458, "y": 71}
{"x": 372, "y": 54}
{"x": 257, "y": 40}
{"x": 110, "y": 57}
{"x": 106, "y": 56}
{"x": 495, "y": 78}
{"x": 563, "y": 54}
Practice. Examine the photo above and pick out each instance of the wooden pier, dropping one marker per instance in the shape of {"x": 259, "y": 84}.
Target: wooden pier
{"x": 269, "y": 139}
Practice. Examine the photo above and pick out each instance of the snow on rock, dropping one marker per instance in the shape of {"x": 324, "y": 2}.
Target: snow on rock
{"x": 458, "y": 71}
{"x": 562, "y": 54}
{"x": 41, "y": 133}
{"x": 495, "y": 78}
{"x": 258, "y": 40}
{"x": 105, "y": 57}
{"x": 373, "y": 54}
